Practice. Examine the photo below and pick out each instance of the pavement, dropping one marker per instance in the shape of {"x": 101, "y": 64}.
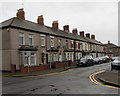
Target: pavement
{"x": 36, "y": 73}
{"x": 109, "y": 77}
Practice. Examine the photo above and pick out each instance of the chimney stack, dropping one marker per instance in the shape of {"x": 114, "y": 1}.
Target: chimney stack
{"x": 82, "y": 33}
{"x": 75, "y": 31}
{"x": 55, "y": 24}
{"x": 40, "y": 20}
{"x": 66, "y": 28}
{"x": 108, "y": 42}
{"x": 88, "y": 35}
{"x": 93, "y": 37}
{"x": 21, "y": 14}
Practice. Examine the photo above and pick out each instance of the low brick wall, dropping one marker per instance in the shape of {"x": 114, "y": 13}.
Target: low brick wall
{"x": 61, "y": 65}
{"x": 44, "y": 67}
{"x": 73, "y": 63}
{"x": 12, "y": 68}
{"x": 34, "y": 68}
{"x": 64, "y": 64}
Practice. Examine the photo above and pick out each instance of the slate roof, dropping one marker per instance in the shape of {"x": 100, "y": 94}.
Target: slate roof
{"x": 28, "y": 25}
{"x": 111, "y": 45}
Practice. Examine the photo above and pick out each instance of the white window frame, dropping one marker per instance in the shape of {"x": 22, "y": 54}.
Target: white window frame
{"x": 77, "y": 44}
{"x": 21, "y": 35}
{"x": 42, "y": 41}
{"x": 60, "y": 42}
{"x": 31, "y": 37}
{"x": 66, "y": 44}
{"x": 72, "y": 44}
{"x": 29, "y": 55}
{"x": 52, "y": 42}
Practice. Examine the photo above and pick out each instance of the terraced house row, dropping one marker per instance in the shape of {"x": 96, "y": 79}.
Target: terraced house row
{"x": 28, "y": 46}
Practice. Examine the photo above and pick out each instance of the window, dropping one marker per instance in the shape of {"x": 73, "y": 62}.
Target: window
{"x": 59, "y": 43}
{"x": 66, "y": 43}
{"x": 30, "y": 39}
{"x": 72, "y": 44}
{"x": 68, "y": 56}
{"x": 42, "y": 41}
{"x": 21, "y": 39}
{"x": 76, "y": 45}
{"x": 26, "y": 58}
{"x": 52, "y": 42}
{"x": 29, "y": 58}
{"x": 32, "y": 59}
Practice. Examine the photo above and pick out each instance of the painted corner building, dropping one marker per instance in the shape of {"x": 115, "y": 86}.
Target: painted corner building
{"x": 28, "y": 46}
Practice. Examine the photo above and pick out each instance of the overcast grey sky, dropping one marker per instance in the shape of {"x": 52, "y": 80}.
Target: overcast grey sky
{"x": 99, "y": 18}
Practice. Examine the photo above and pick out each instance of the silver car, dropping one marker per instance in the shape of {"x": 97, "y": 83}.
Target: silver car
{"x": 116, "y": 63}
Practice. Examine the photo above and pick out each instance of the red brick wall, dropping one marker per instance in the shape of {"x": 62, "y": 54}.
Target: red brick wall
{"x": 34, "y": 68}
{"x": 13, "y": 68}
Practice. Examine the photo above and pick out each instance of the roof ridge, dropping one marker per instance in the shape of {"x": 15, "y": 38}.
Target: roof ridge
{"x": 7, "y": 20}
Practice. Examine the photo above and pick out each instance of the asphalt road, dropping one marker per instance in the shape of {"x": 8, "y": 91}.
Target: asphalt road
{"x": 73, "y": 82}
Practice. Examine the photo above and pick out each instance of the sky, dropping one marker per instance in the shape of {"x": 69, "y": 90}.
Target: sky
{"x": 98, "y": 17}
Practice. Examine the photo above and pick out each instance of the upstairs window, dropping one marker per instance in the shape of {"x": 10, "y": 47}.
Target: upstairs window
{"x": 30, "y": 39}
{"x": 52, "y": 42}
{"x": 59, "y": 43}
{"x": 43, "y": 41}
{"x": 21, "y": 39}
{"x": 66, "y": 43}
{"x": 78, "y": 45}
{"x": 71, "y": 44}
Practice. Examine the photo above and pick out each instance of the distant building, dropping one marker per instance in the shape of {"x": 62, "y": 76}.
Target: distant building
{"x": 112, "y": 49}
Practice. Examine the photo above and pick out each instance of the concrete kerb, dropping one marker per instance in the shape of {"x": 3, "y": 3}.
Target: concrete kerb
{"x": 108, "y": 82}
{"x": 67, "y": 69}
{"x": 103, "y": 81}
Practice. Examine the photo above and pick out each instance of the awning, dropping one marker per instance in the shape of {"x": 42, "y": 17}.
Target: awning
{"x": 52, "y": 49}
{"x": 28, "y": 48}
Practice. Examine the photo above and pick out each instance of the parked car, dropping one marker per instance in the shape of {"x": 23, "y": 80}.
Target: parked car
{"x": 98, "y": 60}
{"x": 113, "y": 58}
{"x": 85, "y": 61}
{"x": 105, "y": 59}
{"x": 116, "y": 63}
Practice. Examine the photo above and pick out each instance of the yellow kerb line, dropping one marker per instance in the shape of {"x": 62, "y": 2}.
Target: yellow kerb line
{"x": 92, "y": 78}
{"x": 41, "y": 75}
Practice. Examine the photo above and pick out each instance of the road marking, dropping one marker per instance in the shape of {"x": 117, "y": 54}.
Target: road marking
{"x": 92, "y": 78}
{"x": 41, "y": 75}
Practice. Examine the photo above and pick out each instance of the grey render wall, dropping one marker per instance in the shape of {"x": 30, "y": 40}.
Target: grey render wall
{"x": 6, "y": 52}
{"x": 0, "y": 49}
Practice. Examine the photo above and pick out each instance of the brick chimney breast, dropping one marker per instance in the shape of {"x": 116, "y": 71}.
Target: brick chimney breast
{"x": 55, "y": 24}
{"x": 82, "y": 33}
{"x": 75, "y": 31}
{"x": 88, "y": 35}
{"x": 66, "y": 28}
{"x": 40, "y": 20}
{"x": 93, "y": 37}
{"x": 21, "y": 14}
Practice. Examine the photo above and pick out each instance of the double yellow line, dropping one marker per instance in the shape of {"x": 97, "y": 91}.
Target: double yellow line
{"x": 92, "y": 78}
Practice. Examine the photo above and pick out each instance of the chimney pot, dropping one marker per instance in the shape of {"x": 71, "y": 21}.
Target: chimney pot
{"x": 88, "y": 35}
{"x": 108, "y": 42}
{"x": 75, "y": 31}
{"x": 93, "y": 37}
{"x": 21, "y": 14}
{"x": 82, "y": 33}
{"x": 55, "y": 24}
{"x": 40, "y": 20}
{"x": 66, "y": 28}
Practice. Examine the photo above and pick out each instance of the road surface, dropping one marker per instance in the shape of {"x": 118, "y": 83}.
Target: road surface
{"x": 73, "y": 82}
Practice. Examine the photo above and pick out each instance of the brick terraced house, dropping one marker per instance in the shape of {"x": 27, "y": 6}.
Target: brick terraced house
{"x": 29, "y": 46}
{"x": 112, "y": 49}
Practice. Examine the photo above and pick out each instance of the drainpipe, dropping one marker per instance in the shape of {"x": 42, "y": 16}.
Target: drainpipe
{"x": 74, "y": 51}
